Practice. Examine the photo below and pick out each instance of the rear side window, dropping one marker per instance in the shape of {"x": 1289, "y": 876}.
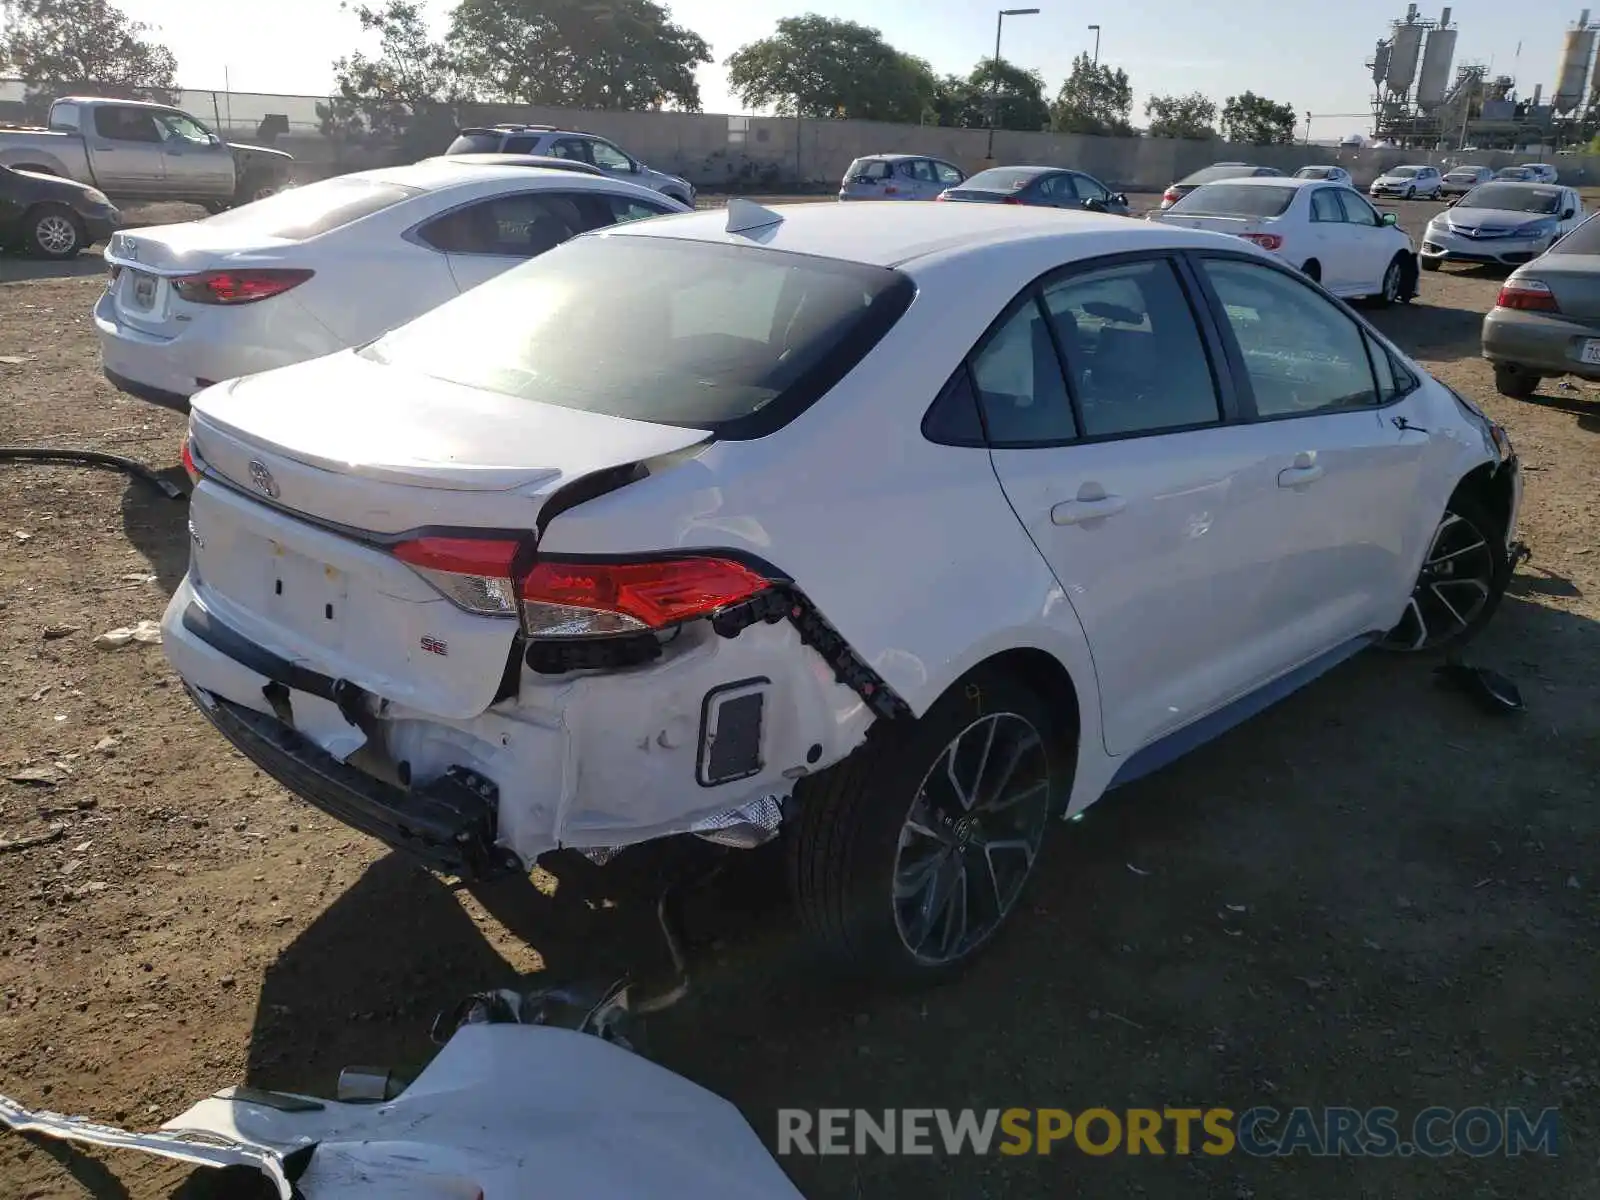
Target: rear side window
{"x": 1585, "y": 239}
{"x": 317, "y": 208}
{"x": 521, "y": 144}
{"x": 732, "y": 338}
{"x": 481, "y": 142}
{"x": 626, "y": 208}
{"x": 64, "y": 116}
{"x": 1325, "y": 206}
{"x": 1135, "y": 358}
{"x": 520, "y": 225}
{"x": 1017, "y": 375}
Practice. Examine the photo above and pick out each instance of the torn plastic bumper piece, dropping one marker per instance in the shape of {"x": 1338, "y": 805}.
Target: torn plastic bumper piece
{"x": 449, "y": 824}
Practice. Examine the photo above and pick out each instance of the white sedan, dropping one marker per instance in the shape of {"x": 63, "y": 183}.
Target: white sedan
{"x": 1328, "y": 174}
{"x": 313, "y": 270}
{"x": 889, "y": 530}
{"x": 1327, "y": 230}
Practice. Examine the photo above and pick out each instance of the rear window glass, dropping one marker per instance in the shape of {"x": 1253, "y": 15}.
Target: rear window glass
{"x": 1210, "y": 174}
{"x": 475, "y": 143}
{"x": 1313, "y": 173}
{"x": 1002, "y": 179}
{"x": 868, "y": 168}
{"x": 735, "y": 339}
{"x": 1585, "y": 239}
{"x": 1541, "y": 201}
{"x": 317, "y": 208}
{"x": 1235, "y": 200}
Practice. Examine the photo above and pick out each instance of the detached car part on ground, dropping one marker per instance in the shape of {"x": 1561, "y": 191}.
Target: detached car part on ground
{"x": 50, "y": 217}
{"x": 506, "y": 1111}
{"x": 1546, "y": 319}
{"x": 891, "y": 530}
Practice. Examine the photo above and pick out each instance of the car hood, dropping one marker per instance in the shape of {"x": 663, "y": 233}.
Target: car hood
{"x": 264, "y": 151}
{"x": 1395, "y": 179}
{"x": 665, "y": 176}
{"x": 1489, "y": 218}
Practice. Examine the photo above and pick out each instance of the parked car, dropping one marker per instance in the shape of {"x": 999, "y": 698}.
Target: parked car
{"x": 1214, "y": 174}
{"x": 1502, "y": 224}
{"x": 1461, "y": 180}
{"x": 133, "y": 151}
{"x": 1542, "y": 172}
{"x": 1409, "y": 183}
{"x": 1328, "y": 174}
{"x": 486, "y": 586}
{"x": 899, "y": 177}
{"x": 330, "y": 265}
{"x": 518, "y": 160}
{"x": 1546, "y": 320}
{"x": 1047, "y": 187}
{"x": 1515, "y": 175}
{"x": 552, "y": 142}
{"x": 1326, "y": 230}
{"x": 51, "y": 217}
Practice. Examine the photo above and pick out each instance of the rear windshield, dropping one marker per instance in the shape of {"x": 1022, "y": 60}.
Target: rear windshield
{"x": 1513, "y": 173}
{"x": 1313, "y": 173}
{"x": 1541, "y": 201}
{"x": 1235, "y": 200}
{"x": 1585, "y": 239}
{"x": 1209, "y": 174}
{"x": 1459, "y": 175}
{"x": 734, "y": 339}
{"x": 1001, "y": 179}
{"x": 317, "y": 208}
{"x": 475, "y": 143}
{"x": 868, "y": 168}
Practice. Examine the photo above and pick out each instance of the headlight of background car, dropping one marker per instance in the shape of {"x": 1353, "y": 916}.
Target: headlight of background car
{"x": 98, "y": 198}
{"x": 1537, "y": 229}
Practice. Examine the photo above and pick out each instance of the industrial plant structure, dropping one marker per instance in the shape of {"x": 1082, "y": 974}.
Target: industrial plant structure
{"x": 1425, "y": 100}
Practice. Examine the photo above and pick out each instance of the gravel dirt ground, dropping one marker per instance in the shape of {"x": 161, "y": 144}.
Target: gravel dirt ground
{"x": 1371, "y": 895}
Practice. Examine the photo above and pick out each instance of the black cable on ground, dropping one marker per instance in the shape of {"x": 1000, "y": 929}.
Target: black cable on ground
{"x": 93, "y": 458}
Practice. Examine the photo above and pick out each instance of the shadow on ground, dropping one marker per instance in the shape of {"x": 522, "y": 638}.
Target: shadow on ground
{"x": 19, "y": 270}
{"x": 1365, "y": 896}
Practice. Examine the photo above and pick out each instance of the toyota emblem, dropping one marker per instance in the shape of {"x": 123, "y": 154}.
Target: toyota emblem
{"x": 262, "y": 478}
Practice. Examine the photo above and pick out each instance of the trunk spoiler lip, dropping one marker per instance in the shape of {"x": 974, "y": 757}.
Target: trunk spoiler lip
{"x": 200, "y": 1147}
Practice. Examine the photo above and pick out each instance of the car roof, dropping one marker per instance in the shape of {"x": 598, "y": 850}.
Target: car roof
{"x": 489, "y": 158}
{"x": 1268, "y": 181}
{"x": 889, "y": 235}
{"x": 1320, "y": 167}
{"x": 896, "y": 157}
{"x": 440, "y": 174}
{"x": 1025, "y": 168}
{"x": 118, "y": 101}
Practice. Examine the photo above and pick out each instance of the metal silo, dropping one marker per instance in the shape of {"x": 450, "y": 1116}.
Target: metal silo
{"x": 1403, "y": 57}
{"x": 1436, "y": 62}
{"x": 1380, "y": 63}
{"x": 1575, "y": 60}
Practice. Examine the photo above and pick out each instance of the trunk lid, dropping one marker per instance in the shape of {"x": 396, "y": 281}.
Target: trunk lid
{"x": 148, "y": 259}
{"x": 1217, "y": 224}
{"x": 1575, "y": 281}
{"x": 368, "y": 452}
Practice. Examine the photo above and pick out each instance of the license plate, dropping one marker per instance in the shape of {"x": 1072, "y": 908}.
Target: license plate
{"x": 144, "y": 290}
{"x": 1591, "y": 351}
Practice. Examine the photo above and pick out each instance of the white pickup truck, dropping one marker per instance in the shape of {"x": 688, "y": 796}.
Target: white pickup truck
{"x": 135, "y": 151}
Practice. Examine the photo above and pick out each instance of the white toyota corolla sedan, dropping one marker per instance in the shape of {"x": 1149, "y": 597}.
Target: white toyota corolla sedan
{"x": 889, "y": 530}
{"x": 333, "y": 264}
{"x": 1328, "y": 230}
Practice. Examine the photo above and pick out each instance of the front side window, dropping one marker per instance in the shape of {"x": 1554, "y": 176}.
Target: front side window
{"x": 948, "y": 175}
{"x": 732, "y": 338}
{"x": 1089, "y": 189}
{"x": 175, "y": 125}
{"x": 1356, "y": 210}
{"x": 626, "y": 208}
{"x": 521, "y": 144}
{"x": 1301, "y": 353}
{"x": 609, "y": 157}
{"x": 1134, "y": 355}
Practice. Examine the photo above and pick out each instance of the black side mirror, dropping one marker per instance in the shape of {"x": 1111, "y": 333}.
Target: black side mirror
{"x": 1568, "y": 213}
{"x": 1094, "y": 205}
{"x": 1121, "y": 198}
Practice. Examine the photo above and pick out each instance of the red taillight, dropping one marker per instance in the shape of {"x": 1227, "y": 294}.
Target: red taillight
{"x": 941, "y": 196}
{"x": 891, "y": 190}
{"x": 1009, "y": 200}
{"x": 1528, "y": 295}
{"x": 577, "y": 599}
{"x": 566, "y": 598}
{"x": 1170, "y": 195}
{"x": 190, "y": 467}
{"x": 244, "y": 286}
{"x": 1267, "y": 241}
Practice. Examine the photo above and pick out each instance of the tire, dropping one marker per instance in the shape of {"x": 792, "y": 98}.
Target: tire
{"x": 1312, "y": 270}
{"x": 876, "y": 821}
{"x": 1439, "y": 603}
{"x": 53, "y": 231}
{"x": 1392, "y": 288}
{"x": 1513, "y": 381}
{"x": 1411, "y": 193}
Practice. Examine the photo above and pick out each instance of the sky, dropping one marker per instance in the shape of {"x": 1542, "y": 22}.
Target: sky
{"x": 1306, "y": 53}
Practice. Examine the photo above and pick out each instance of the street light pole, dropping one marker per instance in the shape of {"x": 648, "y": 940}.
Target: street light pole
{"x": 994, "y": 77}
{"x": 1095, "y": 29}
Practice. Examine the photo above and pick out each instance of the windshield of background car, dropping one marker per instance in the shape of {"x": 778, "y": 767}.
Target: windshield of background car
{"x": 734, "y": 339}
{"x": 1585, "y": 239}
{"x": 1513, "y": 174}
{"x": 317, "y": 208}
{"x": 474, "y": 143}
{"x": 1539, "y": 201}
{"x": 1001, "y": 179}
{"x": 1235, "y": 200}
{"x": 1402, "y": 173}
{"x": 1210, "y": 174}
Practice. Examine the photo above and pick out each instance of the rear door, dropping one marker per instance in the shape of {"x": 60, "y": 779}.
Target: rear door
{"x": 485, "y": 237}
{"x": 1055, "y": 190}
{"x": 125, "y": 151}
{"x": 1132, "y": 487}
{"x": 1338, "y": 478}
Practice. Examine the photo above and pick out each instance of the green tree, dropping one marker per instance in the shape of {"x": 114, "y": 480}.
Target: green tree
{"x": 407, "y": 96}
{"x": 816, "y": 66}
{"x": 1181, "y": 116}
{"x": 1015, "y": 95}
{"x": 1257, "y": 120}
{"x": 64, "y": 46}
{"x": 1093, "y": 99}
{"x": 618, "y": 54}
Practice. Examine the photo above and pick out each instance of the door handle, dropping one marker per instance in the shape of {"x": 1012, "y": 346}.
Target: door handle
{"x": 1091, "y": 504}
{"x": 1305, "y": 470}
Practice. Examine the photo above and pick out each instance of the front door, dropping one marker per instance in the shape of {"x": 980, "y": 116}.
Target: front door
{"x": 196, "y": 164}
{"x": 1130, "y": 485}
{"x": 1371, "y": 243}
{"x": 126, "y": 152}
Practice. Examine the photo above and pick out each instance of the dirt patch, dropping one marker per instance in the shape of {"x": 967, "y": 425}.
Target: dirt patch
{"x": 1371, "y": 895}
